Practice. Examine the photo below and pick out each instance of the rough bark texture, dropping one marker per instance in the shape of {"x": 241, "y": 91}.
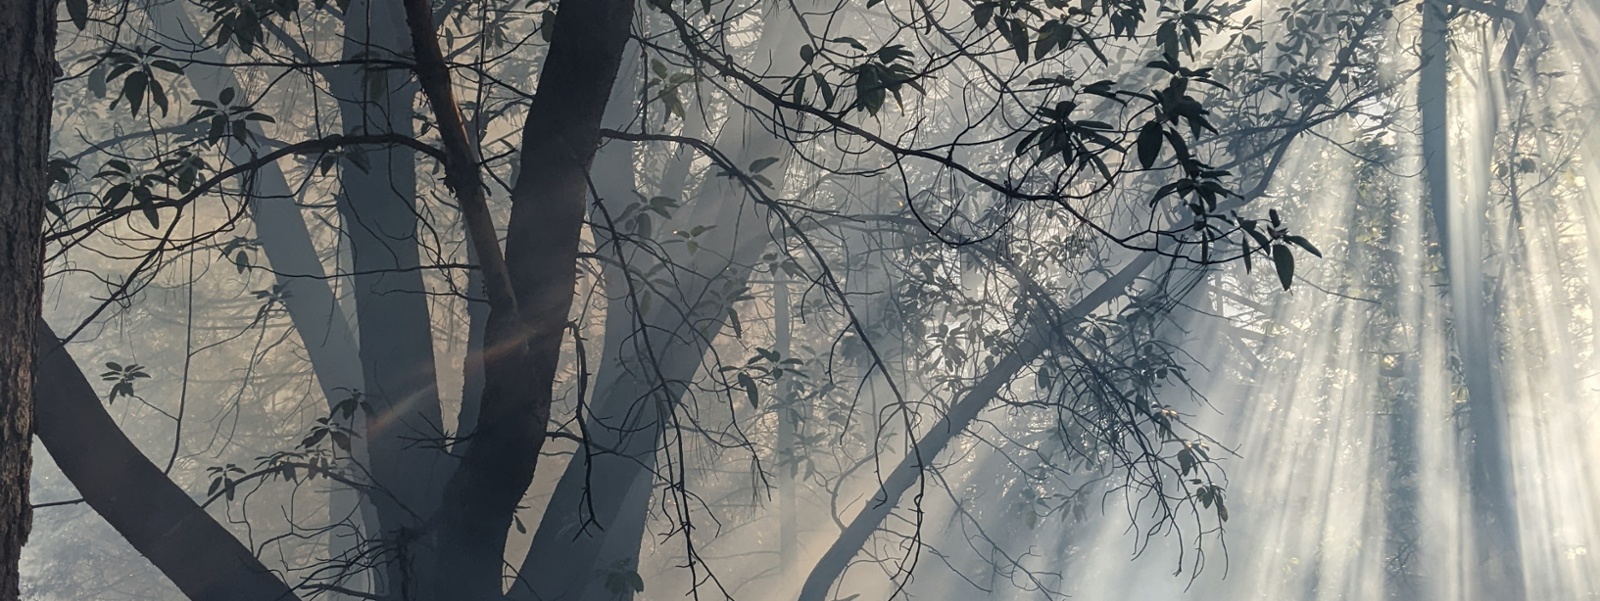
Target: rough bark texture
{"x": 27, "y": 38}
{"x": 159, "y": 519}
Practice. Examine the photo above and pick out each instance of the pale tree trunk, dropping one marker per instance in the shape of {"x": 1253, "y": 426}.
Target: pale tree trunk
{"x": 1496, "y": 549}
{"x": 788, "y": 415}
{"x": 280, "y": 229}
{"x": 28, "y": 40}
{"x": 377, "y": 205}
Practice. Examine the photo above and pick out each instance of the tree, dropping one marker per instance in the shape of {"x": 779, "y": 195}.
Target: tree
{"x": 27, "y": 38}
{"x": 676, "y": 274}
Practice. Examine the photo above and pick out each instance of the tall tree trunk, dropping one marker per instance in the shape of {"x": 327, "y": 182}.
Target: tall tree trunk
{"x": 531, "y": 285}
{"x": 28, "y": 40}
{"x": 156, "y": 517}
{"x": 832, "y": 565}
{"x": 1496, "y": 548}
{"x": 378, "y": 207}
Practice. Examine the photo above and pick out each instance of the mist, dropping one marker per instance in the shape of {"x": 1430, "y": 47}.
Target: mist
{"x": 810, "y": 301}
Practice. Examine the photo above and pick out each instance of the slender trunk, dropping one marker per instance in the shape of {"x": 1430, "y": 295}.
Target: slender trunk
{"x": 1496, "y": 548}
{"x": 788, "y": 415}
{"x": 27, "y": 36}
{"x": 156, "y": 517}
{"x": 910, "y": 469}
{"x": 378, "y": 206}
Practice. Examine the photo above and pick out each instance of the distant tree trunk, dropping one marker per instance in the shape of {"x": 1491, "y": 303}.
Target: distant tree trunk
{"x": 280, "y": 229}
{"x": 788, "y": 415}
{"x": 156, "y": 517}
{"x": 1496, "y": 549}
{"x": 28, "y": 40}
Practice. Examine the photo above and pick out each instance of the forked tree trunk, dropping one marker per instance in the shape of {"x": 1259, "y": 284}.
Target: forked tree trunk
{"x": 530, "y": 285}
{"x": 28, "y": 41}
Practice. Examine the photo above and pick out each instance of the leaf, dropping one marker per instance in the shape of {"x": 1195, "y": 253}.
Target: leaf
{"x": 824, "y": 88}
{"x": 762, "y": 164}
{"x": 807, "y": 54}
{"x": 1284, "y": 260}
{"x": 982, "y": 13}
{"x": 636, "y": 581}
{"x": 750, "y": 391}
{"x": 97, "y": 83}
{"x": 78, "y": 10}
{"x": 1304, "y": 243}
{"x": 227, "y": 95}
{"x": 133, "y": 89}
{"x": 1149, "y": 143}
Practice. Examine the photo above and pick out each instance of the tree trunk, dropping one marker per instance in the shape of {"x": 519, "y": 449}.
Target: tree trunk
{"x": 1496, "y": 548}
{"x": 156, "y": 517}
{"x": 788, "y": 416}
{"x": 27, "y": 36}
{"x": 531, "y": 285}
{"x": 378, "y": 207}
{"x": 280, "y": 229}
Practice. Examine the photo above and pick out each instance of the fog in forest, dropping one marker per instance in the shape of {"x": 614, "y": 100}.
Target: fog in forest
{"x": 819, "y": 300}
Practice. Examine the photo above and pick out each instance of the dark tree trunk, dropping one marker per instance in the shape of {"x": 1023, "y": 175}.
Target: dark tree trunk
{"x": 27, "y": 37}
{"x": 159, "y": 519}
{"x": 530, "y": 286}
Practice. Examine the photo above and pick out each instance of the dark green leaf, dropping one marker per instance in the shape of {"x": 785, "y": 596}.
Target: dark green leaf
{"x": 1284, "y": 260}
{"x": 1149, "y": 143}
{"x": 78, "y": 10}
{"x": 762, "y": 164}
{"x": 750, "y": 391}
{"x": 1304, "y": 243}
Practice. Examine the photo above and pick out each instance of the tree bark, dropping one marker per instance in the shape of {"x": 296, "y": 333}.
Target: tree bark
{"x": 156, "y": 517}
{"x": 27, "y": 37}
{"x": 378, "y": 208}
